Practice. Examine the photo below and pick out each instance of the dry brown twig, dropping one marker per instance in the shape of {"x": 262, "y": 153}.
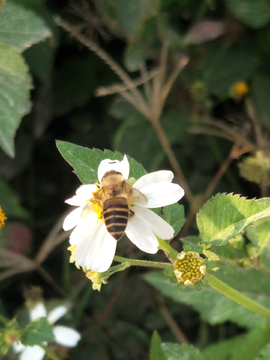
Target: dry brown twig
{"x": 157, "y": 89}
{"x": 172, "y": 324}
{"x": 13, "y": 263}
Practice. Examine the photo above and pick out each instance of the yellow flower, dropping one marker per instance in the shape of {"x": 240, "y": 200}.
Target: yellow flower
{"x": 72, "y": 256}
{"x": 2, "y": 218}
{"x": 96, "y": 279}
{"x": 189, "y": 267}
{"x": 239, "y": 89}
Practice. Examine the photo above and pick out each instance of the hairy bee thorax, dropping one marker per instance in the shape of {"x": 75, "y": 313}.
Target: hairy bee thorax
{"x": 112, "y": 203}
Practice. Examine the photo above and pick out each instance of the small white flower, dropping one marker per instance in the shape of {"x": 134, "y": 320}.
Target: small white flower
{"x": 94, "y": 246}
{"x": 64, "y": 335}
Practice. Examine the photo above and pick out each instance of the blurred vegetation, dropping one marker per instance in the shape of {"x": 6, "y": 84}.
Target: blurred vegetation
{"x": 181, "y": 85}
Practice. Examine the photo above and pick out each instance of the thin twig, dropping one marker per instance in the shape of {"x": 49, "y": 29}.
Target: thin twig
{"x": 107, "y": 59}
{"x": 259, "y": 138}
{"x": 235, "y": 152}
{"x": 167, "y": 87}
{"x": 146, "y": 84}
{"x": 113, "y": 299}
{"x": 119, "y": 88}
{"x": 178, "y": 333}
{"x": 223, "y": 131}
{"x": 172, "y": 158}
{"x": 155, "y": 101}
{"x": 52, "y": 240}
{"x": 49, "y": 280}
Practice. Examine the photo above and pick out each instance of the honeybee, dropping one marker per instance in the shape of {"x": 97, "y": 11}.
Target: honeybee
{"x": 115, "y": 198}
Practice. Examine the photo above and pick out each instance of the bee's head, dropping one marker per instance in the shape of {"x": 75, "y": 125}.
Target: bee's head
{"x": 112, "y": 179}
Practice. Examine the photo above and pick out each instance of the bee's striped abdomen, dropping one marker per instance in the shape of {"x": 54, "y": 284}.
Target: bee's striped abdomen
{"x": 115, "y": 213}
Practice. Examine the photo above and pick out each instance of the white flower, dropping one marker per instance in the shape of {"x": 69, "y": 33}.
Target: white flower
{"x": 64, "y": 335}
{"x": 94, "y": 246}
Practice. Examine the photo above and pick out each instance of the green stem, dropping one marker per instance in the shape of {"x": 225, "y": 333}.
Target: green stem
{"x": 145, "y": 263}
{"x": 50, "y": 353}
{"x": 163, "y": 245}
{"x": 237, "y": 296}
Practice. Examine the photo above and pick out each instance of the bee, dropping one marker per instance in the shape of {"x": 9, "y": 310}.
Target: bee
{"x": 115, "y": 197}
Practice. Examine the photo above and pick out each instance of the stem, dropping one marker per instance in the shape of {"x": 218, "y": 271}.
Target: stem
{"x": 173, "y": 325}
{"x": 165, "y": 246}
{"x": 145, "y": 263}
{"x": 237, "y": 296}
{"x": 235, "y": 152}
{"x": 50, "y": 353}
{"x": 172, "y": 158}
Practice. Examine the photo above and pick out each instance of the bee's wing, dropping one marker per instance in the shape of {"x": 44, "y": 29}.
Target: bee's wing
{"x": 86, "y": 211}
{"x": 139, "y": 197}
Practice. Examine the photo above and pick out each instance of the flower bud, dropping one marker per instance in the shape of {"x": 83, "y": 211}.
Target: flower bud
{"x": 189, "y": 267}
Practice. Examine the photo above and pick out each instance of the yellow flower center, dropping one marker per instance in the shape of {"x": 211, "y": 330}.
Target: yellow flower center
{"x": 189, "y": 267}
{"x": 2, "y": 218}
{"x": 97, "y": 203}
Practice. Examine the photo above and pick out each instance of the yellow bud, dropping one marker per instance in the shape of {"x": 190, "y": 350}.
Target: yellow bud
{"x": 11, "y": 336}
{"x": 239, "y": 89}
{"x": 189, "y": 267}
{"x": 2, "y": 218}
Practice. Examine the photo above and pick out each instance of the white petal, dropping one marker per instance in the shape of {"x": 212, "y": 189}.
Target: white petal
{"x": 108, "y": 165}
{"x": 18, "y": 347}
{"x": 83, "y": 193}
{"x": 96, "y": 248}
{"x": 154, "y": 177}
{"x": 161, "y": 194}
{"x": 76, "y": 201}
{"x": 84, "y": 225}
{"x": 32, "y": 353}
{"x": 38, "y": 311}
{"x": 141, "y": 235}
{"x": 86, "y": 190}
{"x": 66, "y": 336}
{"x": 72, "y": 219}
{"x": 159, "y": 226}
{"x": 57, "y": 313}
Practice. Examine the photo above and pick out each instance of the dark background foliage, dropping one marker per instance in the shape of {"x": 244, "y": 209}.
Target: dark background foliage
{"x": 208, "y": 122}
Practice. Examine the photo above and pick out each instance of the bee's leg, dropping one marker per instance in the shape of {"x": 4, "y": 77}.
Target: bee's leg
{"x": 130, "y": 214}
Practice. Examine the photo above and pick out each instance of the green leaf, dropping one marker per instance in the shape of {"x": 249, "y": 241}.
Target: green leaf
{"x": 21, "y": 27}
{"x": 134, "y": 57}
{"x": 174, "y": 215}
{"x": 225, "y": 216}
{"x": 223, "y": 349}
{"x": 86, "y": 161}
{"x": 252, "y": 344}
{"x": 37, "y": 332}
{"x": 224, "y": 67}
{"x": 15, "y": 84}
{"x": 131, "y": 14}
{"x": 259, "y": 233}
{"x": 10, "y": 203}
{"x": 181, "y": 352}
{"x": 156, "y": 352}
{"x": 214, "y": 307}
{"x": 252, "y": 13}
{"x": 264, "y": 353}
